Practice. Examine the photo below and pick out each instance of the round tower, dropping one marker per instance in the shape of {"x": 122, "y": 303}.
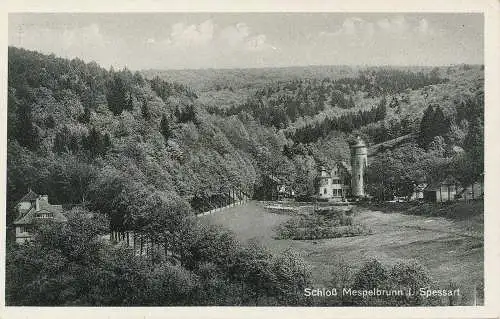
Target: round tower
{"x": 359, "y": 160}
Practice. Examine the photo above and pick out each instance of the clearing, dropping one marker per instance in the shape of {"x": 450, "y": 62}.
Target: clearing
{"x": 450, "y": 249}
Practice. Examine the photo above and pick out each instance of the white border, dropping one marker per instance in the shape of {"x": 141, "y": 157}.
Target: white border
{"x": 491, "y": 10}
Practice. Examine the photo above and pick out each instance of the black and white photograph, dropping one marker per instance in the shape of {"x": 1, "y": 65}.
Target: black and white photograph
{"x": 262, "y": 159}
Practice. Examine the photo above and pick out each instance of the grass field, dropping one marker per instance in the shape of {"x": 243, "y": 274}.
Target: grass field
{"x": 452, "y": 250}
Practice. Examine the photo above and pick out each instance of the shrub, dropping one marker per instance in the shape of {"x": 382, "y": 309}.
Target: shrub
{"x": 328, "y": 224}
{"x": 410, "y": 275}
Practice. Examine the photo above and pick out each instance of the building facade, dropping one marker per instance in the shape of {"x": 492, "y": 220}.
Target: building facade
{"x": 442, "y": 191}
{"x": 334, "y": 183}
{"x": 340, "y": 181}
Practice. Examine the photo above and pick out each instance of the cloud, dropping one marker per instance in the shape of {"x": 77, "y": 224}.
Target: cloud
{"x": 350, "y": 27}
{"x": 208, "y": 44}
{"x": 235, "y": 35}
{"x": 85, "y": 41}
{"x": 355, "y": 28}
{"x": 192, "y": 35}
{"x": 208, "y": 36}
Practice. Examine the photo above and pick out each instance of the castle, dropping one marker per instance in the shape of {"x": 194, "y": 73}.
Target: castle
{"x": 340, "y": 181}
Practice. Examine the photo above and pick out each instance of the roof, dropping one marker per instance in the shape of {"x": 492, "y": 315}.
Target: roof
{"x": 340, "y": 164}
{"x": 420, "y": 187}
{"x": 421, "y": 180}
{"x": 30, "y": 196}
{"x": 346, "y": 166}
{"x": 274, "y": 178}
{"x": 51, "y": 208}
{"x": 358, "y": 142}
{"x": 43, "y": 207}
{"x": 30, "y": 216}
{"x": 450, "y": 180}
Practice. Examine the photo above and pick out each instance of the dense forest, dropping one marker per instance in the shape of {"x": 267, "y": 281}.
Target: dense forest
{"x": 136, "y": 152}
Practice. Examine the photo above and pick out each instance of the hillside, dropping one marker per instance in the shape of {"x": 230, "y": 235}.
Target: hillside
{"x": 133, "y": 155}
{"x": 137, "y": 154}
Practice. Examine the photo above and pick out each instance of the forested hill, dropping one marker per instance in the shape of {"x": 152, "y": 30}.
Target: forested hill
{"x": 81, "y": 133}
{"x": 140, "y": 152}
{"x": 319, "y": 108}
{"x": 113, "y": 140}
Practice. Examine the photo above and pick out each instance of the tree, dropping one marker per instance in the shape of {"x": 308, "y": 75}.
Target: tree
{"x": 146, "y": 114}
{"x": 165, "y": 127}
{"x": 291, "y": 275}
{"x": 54, "y": 268}
{"x": 27, "y": 134}
{"x": 117, "y": 94}
{"x": 434, "y": 123}
{"x": 96, "y": 142}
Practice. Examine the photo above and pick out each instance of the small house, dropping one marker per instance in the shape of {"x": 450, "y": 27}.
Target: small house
{"x": 32, "y": 208}
{"x": 442, "y": 191}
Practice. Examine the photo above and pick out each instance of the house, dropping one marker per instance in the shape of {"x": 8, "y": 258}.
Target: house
{"x": 335, "y": 183}
{"x": 418, "y": 189}
{"x": 473, "y": 191}
{"x": 285, "y": 191}
{"x": 442, "y": 191}
{"x": 32, "y": 208}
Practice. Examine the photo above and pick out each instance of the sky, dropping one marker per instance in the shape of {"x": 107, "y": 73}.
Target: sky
{"x": 249, "y": 40}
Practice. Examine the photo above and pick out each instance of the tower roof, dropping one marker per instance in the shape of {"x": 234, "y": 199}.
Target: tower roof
{"x": 358, "y": 143}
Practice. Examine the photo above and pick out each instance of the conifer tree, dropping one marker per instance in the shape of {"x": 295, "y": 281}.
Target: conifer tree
{"x": 165, "y": 127}
{"x": 26, "y": 132}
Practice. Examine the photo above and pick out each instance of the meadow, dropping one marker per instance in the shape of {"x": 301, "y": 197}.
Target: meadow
{"x": 451, "y": 249}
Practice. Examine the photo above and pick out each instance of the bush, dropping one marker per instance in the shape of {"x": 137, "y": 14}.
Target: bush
{"x": 410, "y": 275}
{"x": 405, "y": 276}
{"x": 328, "y": 224}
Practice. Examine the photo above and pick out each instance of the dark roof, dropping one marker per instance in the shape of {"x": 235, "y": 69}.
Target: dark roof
{"x": 43, "y": 207}
{"x": 30, "y": 216}
{"x": 450, "y": 180}
{"x": 30, "y": 196}
{"x": 358, "y": 142}
{"x": 421, "y": 180}
{"x": 328, "y": 169}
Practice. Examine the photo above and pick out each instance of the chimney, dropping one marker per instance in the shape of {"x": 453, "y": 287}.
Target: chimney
{"x": 37, "y": 204}
{"x": 43, "y": 200}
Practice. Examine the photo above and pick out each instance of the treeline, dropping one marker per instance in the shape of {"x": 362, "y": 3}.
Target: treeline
{"x": 282, "y": 103}
{"x": 344, "y": 123}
